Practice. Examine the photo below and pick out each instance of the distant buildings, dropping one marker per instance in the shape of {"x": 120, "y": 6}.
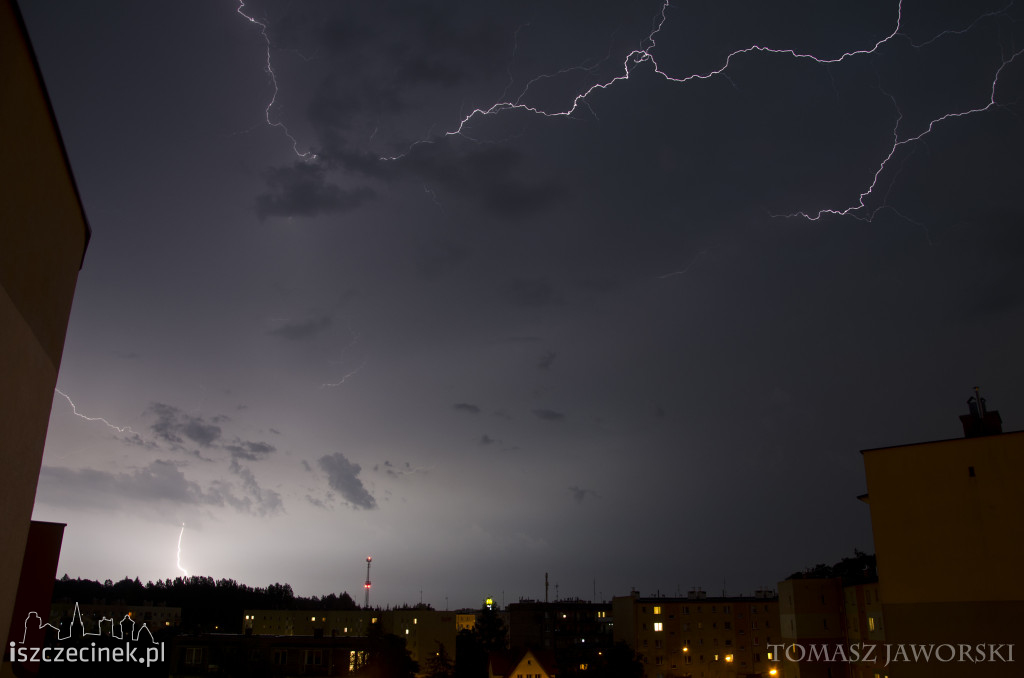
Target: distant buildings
{"x": 573, "y": 632}
{"x": 827, "y": 613}
{"x": 271, "y": 656}
{"x": 422, "y": 628}
{"x": 699, "y": 636}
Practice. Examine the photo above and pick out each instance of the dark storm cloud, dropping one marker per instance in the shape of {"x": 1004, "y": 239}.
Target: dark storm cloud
{"x": 302, "y": 190}
{"x": 438, "y": 258}
{"x": 579, "y": 493}
{"x": 247, "y": 449}
{"x": 303, "y": 329}
{"x": 343, "y": 477}
{"x": 466, "y": 407}
{"x": 319, "y": 503}
{"x": 174, "y": 426}
{"x": 491, "y": 175}
{"x": 398, "y": 471}
{"x": 160, "y": 481}
{"x": 547, "y": 360}
{"x": 139, "y": 441}
{"x": 266, "y": 502}
{"x": 549, "y": 415}
{"x": 487, "y": 440}
{"x": 390, "y": 57}
{"x": 336, "y": 104}
{"x": 529, "y": 292}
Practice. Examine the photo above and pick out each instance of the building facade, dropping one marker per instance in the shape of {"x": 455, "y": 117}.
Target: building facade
{"x": 699, "y": 636}
{"x": 43, "y": 236}
{"x": 948, "y": 524}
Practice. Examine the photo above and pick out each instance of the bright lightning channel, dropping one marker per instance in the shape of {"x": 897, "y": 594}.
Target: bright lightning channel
{"x": 269, "y": 69}
{"x": 180, "y": 534}
{"x": 346, "y": 377}
{"x": 119, "y": 429}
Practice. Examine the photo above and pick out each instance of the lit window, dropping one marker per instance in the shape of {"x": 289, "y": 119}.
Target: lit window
{"x": 312, "y": 619}
{"x": 728, "y": 657}
{"x": 657, "y": 609}
{"x": 871, "y": 623}
{"x": 658, "y": 626}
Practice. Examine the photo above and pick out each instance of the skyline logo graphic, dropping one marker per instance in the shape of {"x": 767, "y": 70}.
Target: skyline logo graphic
{"x": 136, "y": 646}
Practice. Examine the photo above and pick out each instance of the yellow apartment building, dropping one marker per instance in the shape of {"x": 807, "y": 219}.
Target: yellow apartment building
{"x": 948, "y": 524}
{"x": 699, "y": 636}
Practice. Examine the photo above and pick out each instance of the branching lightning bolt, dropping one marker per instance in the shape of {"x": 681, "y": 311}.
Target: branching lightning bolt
{"x": 119, "y": 429}
{"x": 180, "y": 534}
{"x": 644, "y": 54}
{"x": 269, "y": 69}
{"x": 900, "y": 142}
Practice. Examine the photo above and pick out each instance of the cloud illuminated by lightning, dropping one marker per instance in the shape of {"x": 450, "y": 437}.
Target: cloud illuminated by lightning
{"x": 180, "y": 534}
{"x": 119, "y": 429}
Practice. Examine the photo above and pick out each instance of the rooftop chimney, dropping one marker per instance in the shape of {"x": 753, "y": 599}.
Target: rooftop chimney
{"x": 980, "y": 422}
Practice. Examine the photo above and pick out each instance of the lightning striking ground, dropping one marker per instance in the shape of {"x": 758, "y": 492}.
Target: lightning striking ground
{"x": 119, "y": 429}
{"x": 180, "y": 534}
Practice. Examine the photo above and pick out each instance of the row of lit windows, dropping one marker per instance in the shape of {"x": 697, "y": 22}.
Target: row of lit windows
{"x": 726, "y": 609}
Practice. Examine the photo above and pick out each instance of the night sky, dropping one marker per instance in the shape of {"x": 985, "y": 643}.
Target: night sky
{"x": 568, "y": 335}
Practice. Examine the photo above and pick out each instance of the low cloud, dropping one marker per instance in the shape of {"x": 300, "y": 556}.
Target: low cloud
{"x": 397, "y": 471}
{"x": 303, "y": 329}
{"x": 549, "y": 415}
{"x": 159, "y": 483}
{"x": 343, "y": 477}
{"x": 174, "y": 426}
{"x": 265, "y": 502}
{"x": 579, "y": 493}
{"x": 529, "y": 292}
{"x": 248, "y": 449}
{"x": 466, "y": 407}
{"x": 302, "y": 190}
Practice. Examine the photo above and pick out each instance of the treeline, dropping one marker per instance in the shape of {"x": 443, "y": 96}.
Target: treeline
{"x": 206, "y": 604}
{"x": 860, "y": 569}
